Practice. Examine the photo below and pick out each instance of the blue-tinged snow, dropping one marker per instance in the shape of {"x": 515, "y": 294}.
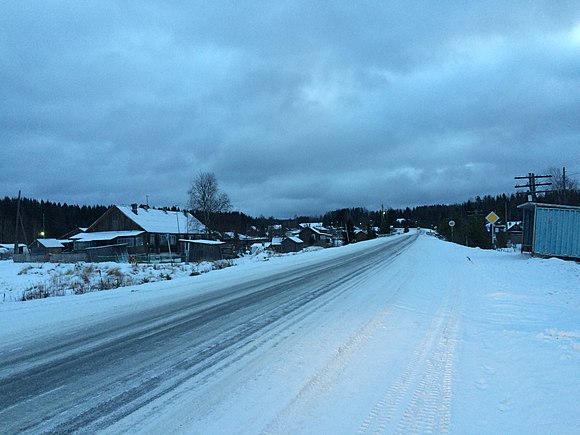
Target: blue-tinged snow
{"x": 443, "y": 339}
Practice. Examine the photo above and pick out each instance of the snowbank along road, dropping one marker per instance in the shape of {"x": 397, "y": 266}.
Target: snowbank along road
{"x": 388, "y": 336}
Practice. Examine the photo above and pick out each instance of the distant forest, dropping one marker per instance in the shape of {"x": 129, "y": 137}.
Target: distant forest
{"x": 56, "y": 220}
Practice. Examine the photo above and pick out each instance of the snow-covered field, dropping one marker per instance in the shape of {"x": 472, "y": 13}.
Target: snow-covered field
{"x": 26, "y": 281}
{"x": 442, "y": 339}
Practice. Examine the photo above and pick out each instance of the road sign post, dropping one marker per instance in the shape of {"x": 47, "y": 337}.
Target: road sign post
{"x": 492, "y": 218}
{"x": 452, "y": 224}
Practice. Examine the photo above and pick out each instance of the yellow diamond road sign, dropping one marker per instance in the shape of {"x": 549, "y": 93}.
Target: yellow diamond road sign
{"x": 492, "y": 218}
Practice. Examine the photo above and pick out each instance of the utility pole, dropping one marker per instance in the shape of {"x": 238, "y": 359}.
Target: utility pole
{"x": 16, "y": 229}
{"x": 532, "y": 184}
{"x": 564, "y": 193}
{"x": 382, "y": 217}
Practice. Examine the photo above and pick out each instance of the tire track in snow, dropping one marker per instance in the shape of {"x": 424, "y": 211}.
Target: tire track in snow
{"x": 326, "y": 376}
{"x": 424, "y": 405}
{"x": 430, "y": 407}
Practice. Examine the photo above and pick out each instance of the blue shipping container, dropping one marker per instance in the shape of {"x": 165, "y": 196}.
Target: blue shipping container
{"x": 555, "y": 229}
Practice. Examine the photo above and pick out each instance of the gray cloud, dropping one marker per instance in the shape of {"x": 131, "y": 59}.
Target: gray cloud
{"x": 298, "y": 107}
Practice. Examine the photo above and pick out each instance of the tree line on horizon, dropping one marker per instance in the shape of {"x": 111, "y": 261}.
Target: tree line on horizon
{"x": 56, "y": 219}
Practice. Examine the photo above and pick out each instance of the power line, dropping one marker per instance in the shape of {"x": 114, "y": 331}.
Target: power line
{"x": 533, "y": 184}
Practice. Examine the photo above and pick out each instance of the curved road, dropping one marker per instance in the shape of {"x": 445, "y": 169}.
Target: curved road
{"x": 90, "y": 380}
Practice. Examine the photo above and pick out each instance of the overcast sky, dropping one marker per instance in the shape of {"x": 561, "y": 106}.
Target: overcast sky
{"x": 297, "y": 107}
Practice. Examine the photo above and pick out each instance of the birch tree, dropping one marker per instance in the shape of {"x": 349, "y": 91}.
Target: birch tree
{"x": 206, "y": 197}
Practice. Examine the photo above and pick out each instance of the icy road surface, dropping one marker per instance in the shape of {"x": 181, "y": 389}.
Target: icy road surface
{"x": 404, "y": 335}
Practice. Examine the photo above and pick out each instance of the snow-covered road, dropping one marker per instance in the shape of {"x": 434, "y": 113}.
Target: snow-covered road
{"x": 402, "y": 335}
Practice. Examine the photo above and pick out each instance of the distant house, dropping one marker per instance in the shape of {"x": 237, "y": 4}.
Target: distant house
{"x": 551, "y": 230}
{"x": 46, "y": 247}
{"x": 315, "y": 236}
{"x": 360, "y": 235}
{"x": 276, "y": 230}
{"x": 276, "y": 244}
{"x": 312, "y": 225}
{"x": 139, "y": 230}
{"x": 514, "y": 232}
{"x": 7, "y": 250}
{"x": 72, "y": 233}
{"x": 291, "y": 244}
{"x": 240, "y": 242}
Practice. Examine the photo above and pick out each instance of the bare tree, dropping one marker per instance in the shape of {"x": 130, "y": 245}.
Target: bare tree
{"x": 206, "y": 197}
{"x": 562, "y": 184}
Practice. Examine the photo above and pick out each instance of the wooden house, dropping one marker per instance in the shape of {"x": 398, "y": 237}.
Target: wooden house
{"x": 46, "y": 247}
{"x": 141, "y": 230}
{"x": 515, "y": 232}
{"x": 360, "y": 235}
{"x": 315, "y": 236}
{"x": 291, "y": 244}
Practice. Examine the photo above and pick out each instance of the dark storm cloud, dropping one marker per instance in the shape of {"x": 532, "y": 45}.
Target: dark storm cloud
{"x": 297, "y": 107}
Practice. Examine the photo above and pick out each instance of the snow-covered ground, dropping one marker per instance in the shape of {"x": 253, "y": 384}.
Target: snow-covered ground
{"x": 442, "y": 339}
{"x": 26, "y": 281}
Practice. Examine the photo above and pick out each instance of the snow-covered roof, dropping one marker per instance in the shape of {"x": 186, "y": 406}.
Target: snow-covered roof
{"x": 250, "y": 238}
{"x": 164, "y": 222}
{"x": 50, "y": 243}
{"x": 319, "y": 230}
{"x": 203, "y": 242}
{"x": 104, "y": 235}
{"x": 11, "y": 245}
{"x": 296, "y": 239}
{"x": 311, "y": 225}
{"x": 511, "y": 224}
{"x": 277, "y": 240}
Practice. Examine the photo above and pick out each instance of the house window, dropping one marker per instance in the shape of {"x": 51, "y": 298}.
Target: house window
{"x": 129, "y": 241}
{"x": 81, "y": 245}
{"x": 172, "y": 239}
{"x": 139, "y": 241}
{"x": 152, "y": 239}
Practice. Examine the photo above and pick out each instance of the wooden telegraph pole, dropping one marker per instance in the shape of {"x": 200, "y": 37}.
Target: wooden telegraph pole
{"x": 16, "y": 229}
{"x": 532, "y": 184}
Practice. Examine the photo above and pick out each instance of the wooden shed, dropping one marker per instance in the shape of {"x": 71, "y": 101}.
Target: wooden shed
{"x": 46, "y": 247}
{"x": 202, "y": 250}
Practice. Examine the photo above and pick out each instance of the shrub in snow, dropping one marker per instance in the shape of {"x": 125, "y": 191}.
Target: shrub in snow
{"x": 37, "y": 291}
{"x": 221, "y": 264}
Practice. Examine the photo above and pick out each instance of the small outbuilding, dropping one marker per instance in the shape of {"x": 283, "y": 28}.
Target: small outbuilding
{"x": 202, "y": 250}
{"x": 8, "y": 249}
{"x": 551, "y": 230}
{"x": 46, "y": 247}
